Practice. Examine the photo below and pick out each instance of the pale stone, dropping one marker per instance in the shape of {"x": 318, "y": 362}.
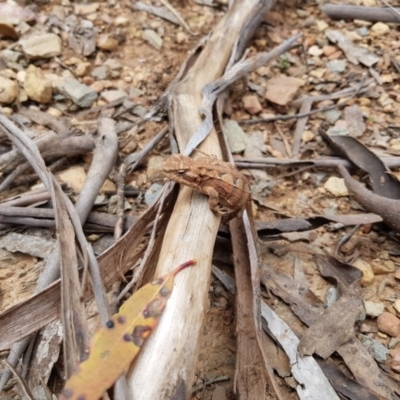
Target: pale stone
{"x": 181, "y": 37}
{"x": 37, "y": 86}
{"x": 46, "y": 45}
{"x": 366, "y": 269}
{"x": 321, "y": 25}
{"x": 389, "y": 324}
{"x": 329, "y": 50}
{"x": 74, "y": 177}
{"x": 9, "y": 90}
{"x": 336, "y": 186}
{"x": 315, "y": 51}
{"x": 282, "y": 89}
{"x": 108, "y": 43}
{"x": 380, "y": 266}
{"x": 86, "y": 9}
{"x": 108, "y": 186}
{"x": 373, "y": 309}
{"x": 154, "y": 167}
{"x": 54, "y": 112}
{"x": 380, "y": 29}
{"x": 83, "y": 68}
{"x": 396, "y": 305}
{"x": 251, "y": 104}
{"x": 307, "y": 136}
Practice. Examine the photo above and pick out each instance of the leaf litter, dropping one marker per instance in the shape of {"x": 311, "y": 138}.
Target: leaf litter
{"x": 296, "y": 215}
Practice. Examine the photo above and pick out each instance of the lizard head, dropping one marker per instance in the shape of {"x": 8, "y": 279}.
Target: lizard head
{"x": 179, "y": 168}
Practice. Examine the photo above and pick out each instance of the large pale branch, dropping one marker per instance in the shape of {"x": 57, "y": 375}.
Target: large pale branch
{"x": 165, "y": 366}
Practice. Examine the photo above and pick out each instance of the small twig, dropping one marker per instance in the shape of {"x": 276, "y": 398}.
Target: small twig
{"x": 27, "y": 394}
{"x": 285, "y": 142}
{"x": 345, "y": 239}
{"x": 210, "y": 382}
{"x": 121, "y": 202}
{"x": 98, "y": 109}
{"x": 287, "y": 117}
{"x": 177, "y": 15}
{"x": 132, "y": 165}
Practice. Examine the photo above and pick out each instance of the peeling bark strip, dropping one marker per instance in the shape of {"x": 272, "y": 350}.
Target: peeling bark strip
{"x": 192, "y": 228}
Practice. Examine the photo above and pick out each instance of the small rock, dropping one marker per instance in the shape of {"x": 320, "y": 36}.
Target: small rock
{"x": 86, "y": 9}
{"x": 7, "y": 110}
{"x": 251, "y": 104}
{"x": 112, "y": 95}
{"x": 37, "y": 86}
{"x": 181, "y": 37}
{"x": 373, "y": 309}
{"x": 380, "y": 29}
{"x": 108, "y": 186}
{"x": 307, "y": 136}
{"x": 46, "y": 45}
{"x": 154, "y": 166}
{"x": 74, "y": 177}
{"x": 54, "y": 112}
{"x": 363, "y": 31}
{"x": 82, "y": 68}
{"x": 107, "y": 43}
{"x": 397, "y": 274}
{"x": 336, "y": 186}
{"x": 152, "y": 193}
{"x": 366, "y": 269}
{"x": 389, "y": 324}
{"x": 81, "y": 95}
{"x": 237, "y": 138}
{"x": 113, "y": 64}
{"x": 380, "y": 351}
{"x": 321, "y": 25}
{"x": 11, "y": 55}
{"x": 121, "y": 21}
{"x": 9, "y": 90}
{"x": 315, "y": 51}
{"x": 329, "y": 50}
{"x": 395, "y": 363}
{"x": 380, "y": 266}
{"x": 152, "y": 39}
{"x": 337, "y": 65}
{"x": 332, "y": 115}
{"x": 282, "y": 89}
{"x": 100, "y": 73}
{"x": 354, "y": 120}
{"x": 396, "y": 305}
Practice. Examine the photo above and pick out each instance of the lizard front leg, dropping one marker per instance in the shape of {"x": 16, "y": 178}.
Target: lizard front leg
{"x": 215, "y": 204}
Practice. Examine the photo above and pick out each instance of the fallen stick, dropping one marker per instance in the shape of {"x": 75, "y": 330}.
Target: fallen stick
{"x": 372, "y": 14}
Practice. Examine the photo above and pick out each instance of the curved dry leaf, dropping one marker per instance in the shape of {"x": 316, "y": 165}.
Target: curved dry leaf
{"x": 117, "y": 344}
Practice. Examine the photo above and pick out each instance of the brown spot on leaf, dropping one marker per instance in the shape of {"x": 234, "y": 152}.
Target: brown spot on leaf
{"x": 127, "y": 337}
{"x": 153, "y": 309}
{"x": 165, "y": 292}
{"x": 158, "y": 281}
{"x": 110, "y": 324}
{"x": 121, "y": 319}
{"x": 140, "y": 333}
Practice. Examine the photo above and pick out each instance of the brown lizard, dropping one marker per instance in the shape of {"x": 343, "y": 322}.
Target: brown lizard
{"x": 226, "y": 187}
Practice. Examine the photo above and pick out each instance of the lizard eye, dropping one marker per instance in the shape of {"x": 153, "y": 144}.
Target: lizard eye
{"x": 180, "y": 171}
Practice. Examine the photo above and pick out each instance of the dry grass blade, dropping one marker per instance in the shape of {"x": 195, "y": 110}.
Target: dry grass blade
{"x": 249, "y": 382}
{"x": 73, "y": 311}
